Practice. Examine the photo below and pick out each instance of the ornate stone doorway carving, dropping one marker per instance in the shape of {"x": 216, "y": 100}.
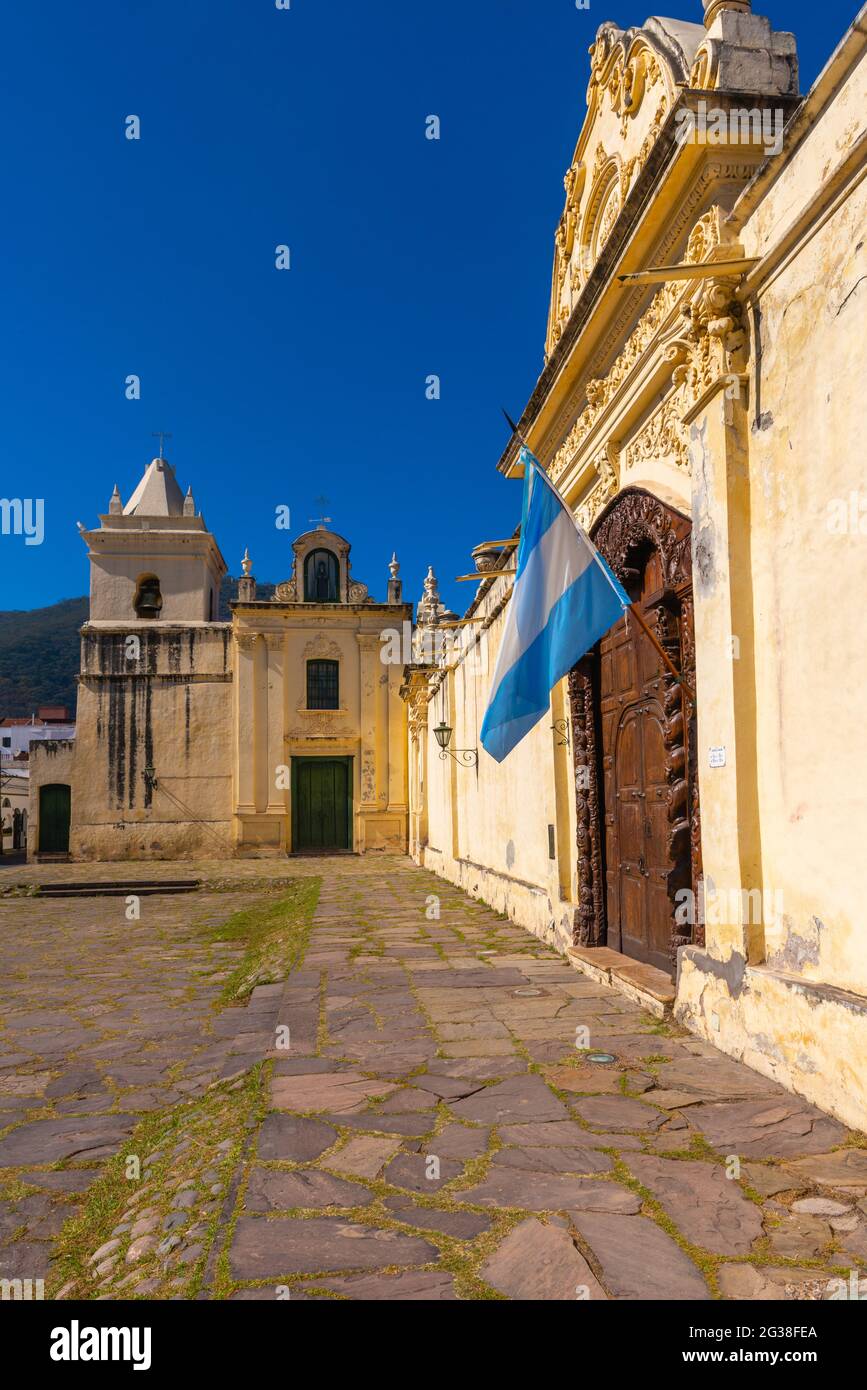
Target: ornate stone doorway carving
{"x": 634, "y": 744}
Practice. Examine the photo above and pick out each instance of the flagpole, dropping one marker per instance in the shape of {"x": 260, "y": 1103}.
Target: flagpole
{"x": 687, "y": 689}
{"x": 633, "y": 607}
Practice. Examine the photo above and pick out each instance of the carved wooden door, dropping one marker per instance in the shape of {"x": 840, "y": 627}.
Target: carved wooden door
{"x": 635, "y": 782}
{"x": 638, "y": 821}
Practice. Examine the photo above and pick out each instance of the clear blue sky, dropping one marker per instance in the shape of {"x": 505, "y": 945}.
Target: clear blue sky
{"x": 261, "y": 126}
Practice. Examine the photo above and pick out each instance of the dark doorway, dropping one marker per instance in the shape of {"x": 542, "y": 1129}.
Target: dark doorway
{"x": 636, "y": 785}
{"x": 321, "y": 804}
{"x": 54, "y": 811}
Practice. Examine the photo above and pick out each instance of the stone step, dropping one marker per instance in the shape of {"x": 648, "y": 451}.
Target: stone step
{"x": 119, "y": 889}
{"x": 647, "y": 986}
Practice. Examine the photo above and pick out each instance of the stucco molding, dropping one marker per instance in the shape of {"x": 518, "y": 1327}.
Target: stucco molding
{"x": 627, "y": 69}
{"x": 321, "y": 647}
{"x": 706, "y": 194}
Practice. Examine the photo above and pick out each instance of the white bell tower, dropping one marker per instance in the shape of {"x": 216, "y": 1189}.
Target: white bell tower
{"x": 154, "y": 560}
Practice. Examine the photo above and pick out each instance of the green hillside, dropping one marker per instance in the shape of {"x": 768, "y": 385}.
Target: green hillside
{"x": 39, "y": 651}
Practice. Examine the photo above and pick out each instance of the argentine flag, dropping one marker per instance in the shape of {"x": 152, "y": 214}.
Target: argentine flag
{"x": 564, "y": 598}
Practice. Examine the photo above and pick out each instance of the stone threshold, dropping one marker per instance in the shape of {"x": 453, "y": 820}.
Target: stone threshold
{"x": 643, "y": 984}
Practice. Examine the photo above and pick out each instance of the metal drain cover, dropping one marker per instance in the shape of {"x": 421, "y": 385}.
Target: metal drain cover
{"x": 599, "y": 1057}
{"x": 529, "y": 992}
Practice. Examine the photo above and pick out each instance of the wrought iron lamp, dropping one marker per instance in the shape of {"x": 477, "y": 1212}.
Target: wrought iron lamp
{"x": 466, "y": 757}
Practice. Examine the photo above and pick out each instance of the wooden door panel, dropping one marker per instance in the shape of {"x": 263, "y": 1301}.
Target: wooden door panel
{"x": 628, "y": 751}
{"x": 54, "y": 816}
{"x": 659, "y": 924}
{"x": 631, "y": 828}
{"x": 624, "y": 668}
{"x": 321, "y": 805}
{"x": 606, "y": 664}
{"x": 635, "y": 789}
{"x": 633, "y": 926}
{"x": 653, "y": 747}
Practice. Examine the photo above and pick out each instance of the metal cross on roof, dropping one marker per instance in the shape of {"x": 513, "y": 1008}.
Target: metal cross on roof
{"x": 320, "y": 520}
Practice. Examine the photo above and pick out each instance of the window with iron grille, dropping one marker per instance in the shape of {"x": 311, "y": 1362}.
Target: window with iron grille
{"x": 322, "y": 685}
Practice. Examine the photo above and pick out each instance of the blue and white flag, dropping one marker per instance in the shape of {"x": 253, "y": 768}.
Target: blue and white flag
{"x": 564, "y": 598}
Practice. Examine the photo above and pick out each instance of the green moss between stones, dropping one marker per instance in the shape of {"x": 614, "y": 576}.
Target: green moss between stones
{"x": 274, "y": 933}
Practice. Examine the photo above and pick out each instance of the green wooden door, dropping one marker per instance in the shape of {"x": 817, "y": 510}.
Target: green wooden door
{"x": 54, "y": 805}
{"x": 321, "y": 804}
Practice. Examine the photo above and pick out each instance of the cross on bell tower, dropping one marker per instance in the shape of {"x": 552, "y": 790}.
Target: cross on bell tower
{"x": 161, "y": 435}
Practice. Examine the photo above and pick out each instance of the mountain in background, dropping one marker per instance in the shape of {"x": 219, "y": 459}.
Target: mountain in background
{"x": 39, "y": 651}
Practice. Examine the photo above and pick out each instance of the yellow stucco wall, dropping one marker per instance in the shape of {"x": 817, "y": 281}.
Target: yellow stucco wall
{"x": 788, "y": 994}
{"x": 809, "y": 578}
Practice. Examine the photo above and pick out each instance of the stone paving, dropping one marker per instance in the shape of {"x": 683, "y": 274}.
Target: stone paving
{"x": 433, "y": 1131}
{"x": 102, "y": 1020}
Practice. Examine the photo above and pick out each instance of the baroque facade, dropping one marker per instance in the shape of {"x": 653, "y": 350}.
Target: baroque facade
{"x": 280, "y": 731}
{"x": 694, "y": 841}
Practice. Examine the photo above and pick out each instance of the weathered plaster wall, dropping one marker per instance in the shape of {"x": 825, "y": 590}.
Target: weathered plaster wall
{"x": 178, "y": 550}
{"x": 786, "y": 569}
{"x": 50, "y": 761}
{"x": 169, "y": 708}
{"x": 809, "y": 577}
{"x": 811, "y": 1038}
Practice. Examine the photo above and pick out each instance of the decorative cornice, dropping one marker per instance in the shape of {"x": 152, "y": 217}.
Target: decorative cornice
{"x": 677, "y": 327}
{"x": 663, "y": 436}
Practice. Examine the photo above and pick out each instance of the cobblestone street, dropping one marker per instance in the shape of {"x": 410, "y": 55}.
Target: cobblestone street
{"x": 432, "y": 1131}
{"x": 103, "y": 1020}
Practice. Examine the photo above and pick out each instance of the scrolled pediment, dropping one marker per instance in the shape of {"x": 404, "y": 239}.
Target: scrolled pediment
{"x": 634, "y": 79}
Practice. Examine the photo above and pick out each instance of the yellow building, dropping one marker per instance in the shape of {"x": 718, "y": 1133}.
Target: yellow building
{"x": 277, "y": 732}
{"x": 700, "y": 408}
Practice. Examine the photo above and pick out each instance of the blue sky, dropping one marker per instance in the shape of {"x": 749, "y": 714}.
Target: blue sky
{"x": 410, "y": 257}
